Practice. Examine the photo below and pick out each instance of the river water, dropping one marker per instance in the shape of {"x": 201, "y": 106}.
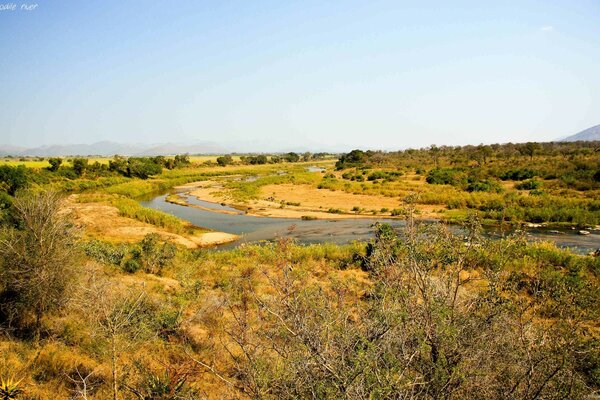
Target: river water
{"x": 341, "y": 231}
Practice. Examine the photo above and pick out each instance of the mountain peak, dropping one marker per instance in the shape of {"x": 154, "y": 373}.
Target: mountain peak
{"x": 589, "y": 134}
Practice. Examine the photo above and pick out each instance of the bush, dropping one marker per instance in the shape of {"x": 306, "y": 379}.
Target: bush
{"x": 13, "y": 178}
{"x": 483, "y": 186}
{"x": 224, "y": 160}
{"x": 132, "y": 266}
{"x": 443, "y": 176}
{"x": 518, "y": 174}
{"x": 531, "y": 184}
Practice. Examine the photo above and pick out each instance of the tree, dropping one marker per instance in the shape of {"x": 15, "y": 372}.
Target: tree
{"x": 224, "y": 160}
{"x": 352, "y": 159}
{"x": 182, "y": 160}
{"x": 529, "y": 149}
{"x": 142, "y": 167}
{"x": 292, "y": 157}
{"x": 435, "y": 152}
{"x": 486, "y": 152}
{"x": 115, "y": 314}
{"x": 55, "y": 163}
{"x": 118, "y": 164}
{"x": 80, "y": 165}
{"x": 37, "y": 260}
{"x": 13, "y": 178}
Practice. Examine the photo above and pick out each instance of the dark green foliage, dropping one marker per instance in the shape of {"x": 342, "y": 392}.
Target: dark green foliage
{"x": 142, "y": 168}
{"x": 80, "y": 165}
{"x": 181, "y": 160}
{"x": 531, "y": 184}
{"x": 529, "y": 149}
{"x": 352, "y": 159}
{"x": 255, "y": 160}
{"x": 132, "y": 266}
{"x": 291, "y": 157}
{"x": 118, "y": 164}
{"x": 224, "y": 160}
{"x": 518, "y": 174}
{"x": 487, "y": 185}
{"x": 55, "y": 163}
{"x": 13, "y": 178}
{"x": 387, "y": 175}
{"x": 136, "y": 167}
{"x": 444, "y": 176}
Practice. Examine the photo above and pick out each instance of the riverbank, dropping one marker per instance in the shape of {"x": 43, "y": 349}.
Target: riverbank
{"x": 101, "y": 220}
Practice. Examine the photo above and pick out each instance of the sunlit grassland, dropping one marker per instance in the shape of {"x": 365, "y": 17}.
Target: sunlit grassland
{"x": 250, "y": 190}
{"x": 36, "y": 163}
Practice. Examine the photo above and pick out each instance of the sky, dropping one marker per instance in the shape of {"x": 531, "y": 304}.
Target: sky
{"x": 313, "y": 74}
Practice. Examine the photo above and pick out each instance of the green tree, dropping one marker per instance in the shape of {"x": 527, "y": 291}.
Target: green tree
{"x": 182, "y": 160}
{"x": 142, "y": 167}
{"x": 529, "y": 149}
{"x": 292, "y": 157}
{"x": 224, "y": 160}
{"x": 118, "y": 164}
{"x": 352, "y": 159}
{"x": 13, "y": 178}
{"x": 55, "y": 163}
{"x": 80, "y": 165}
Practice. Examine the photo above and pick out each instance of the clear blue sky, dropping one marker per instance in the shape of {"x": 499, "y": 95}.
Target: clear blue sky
{"x": 373, "y": 74}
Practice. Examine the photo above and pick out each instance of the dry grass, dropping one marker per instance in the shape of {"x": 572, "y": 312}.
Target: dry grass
{"x": 104, "y": 221}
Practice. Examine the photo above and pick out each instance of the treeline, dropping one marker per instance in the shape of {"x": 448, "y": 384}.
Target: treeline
{"x": 261, "y": 159}
{"x": 476, "y": 154}
{"x": 19, "y": 177}
{"x": 574, "y": 165}
{"x": 555, "y": 183}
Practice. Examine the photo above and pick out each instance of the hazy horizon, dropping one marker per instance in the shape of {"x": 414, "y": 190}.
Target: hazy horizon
{"x": 382, "y": 74}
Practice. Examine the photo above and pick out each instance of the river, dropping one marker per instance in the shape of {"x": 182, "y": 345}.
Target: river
{"x": 340, "y": 231}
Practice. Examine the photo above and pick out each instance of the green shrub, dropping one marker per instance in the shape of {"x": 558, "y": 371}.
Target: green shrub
{"x": 531, "y": 184}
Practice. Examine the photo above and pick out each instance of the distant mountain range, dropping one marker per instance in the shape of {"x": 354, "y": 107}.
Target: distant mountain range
{"x": 107, "y": 149}
{"x": 590, "y": 134}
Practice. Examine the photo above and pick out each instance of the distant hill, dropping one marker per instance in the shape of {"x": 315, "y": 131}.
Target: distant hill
{"x": 107, "y": 149}
{"x": 590, "y": 134}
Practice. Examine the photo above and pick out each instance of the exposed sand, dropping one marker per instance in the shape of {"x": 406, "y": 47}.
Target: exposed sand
{"x": 313, "y": 202}
{"x": 101, "y": 220}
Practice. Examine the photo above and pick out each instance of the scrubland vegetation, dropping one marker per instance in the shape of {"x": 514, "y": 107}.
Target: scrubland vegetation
{"x": 420, "y": 313}
{"x": 555, "y": 183}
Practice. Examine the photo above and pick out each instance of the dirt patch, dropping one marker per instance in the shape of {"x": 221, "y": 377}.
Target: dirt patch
{"x": 297, "y": 201}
